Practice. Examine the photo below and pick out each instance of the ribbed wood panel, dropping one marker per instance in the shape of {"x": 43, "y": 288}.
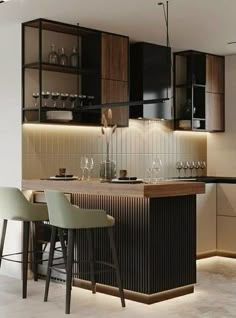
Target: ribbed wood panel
{"x": 155, "y": 239}
{"x": 172, "y": 242}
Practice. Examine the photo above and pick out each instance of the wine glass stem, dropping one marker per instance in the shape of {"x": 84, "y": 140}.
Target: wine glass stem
{"x": 89, "y": 177}
{"x": 82, "y": 177}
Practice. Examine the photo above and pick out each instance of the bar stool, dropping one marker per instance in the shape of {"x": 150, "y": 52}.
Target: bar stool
{"x": 64, "y": 215}
{"x": 14, "y": 206}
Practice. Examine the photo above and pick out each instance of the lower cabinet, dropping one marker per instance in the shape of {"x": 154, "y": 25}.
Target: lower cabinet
{"x": 226, "y": 218}
{"x": 206, "y": 221}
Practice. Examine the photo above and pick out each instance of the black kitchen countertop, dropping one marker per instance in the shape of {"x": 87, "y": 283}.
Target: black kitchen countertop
{"x": 211, "y": 179}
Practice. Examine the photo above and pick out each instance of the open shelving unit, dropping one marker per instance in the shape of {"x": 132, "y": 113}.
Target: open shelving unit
{"x": 38, "y": 75}
{"x": 197, "y": 107}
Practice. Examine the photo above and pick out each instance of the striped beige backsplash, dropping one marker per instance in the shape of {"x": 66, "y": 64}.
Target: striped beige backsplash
{"x": 48, "y": 147}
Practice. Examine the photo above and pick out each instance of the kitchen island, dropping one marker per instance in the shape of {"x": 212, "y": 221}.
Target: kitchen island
{"x": 155, "y": 235}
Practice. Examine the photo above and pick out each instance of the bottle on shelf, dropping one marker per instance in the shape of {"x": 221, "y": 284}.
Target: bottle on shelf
{"x": 53, "y": 57}
{"x": 74, "y": 57}
{"x": 63, "y": 59}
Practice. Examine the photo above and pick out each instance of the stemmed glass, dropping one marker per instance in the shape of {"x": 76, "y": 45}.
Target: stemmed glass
{"x": 156, "y": 167}
{"x": 90, "y": 164}
{"x": 64, "y": 97}
{"x": 202, "y": 166}
{"x": 55, "y": 97}
{"x": 197, "y": 165}
{"x": 179, "y": 167}
{"x": 185, "y": 167}
{"x": 72, "y": 99}
{"x": 191, "y": 167}
{"x": 35, "y": 97}
{"x": 83, "y": 165}
{"x": 46, "y": 96}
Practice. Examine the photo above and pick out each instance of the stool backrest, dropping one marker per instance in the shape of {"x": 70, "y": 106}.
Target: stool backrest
{"x": 65, "y": 215}
{"x": 59, "y": 208}
{"x": 14, "y": 205}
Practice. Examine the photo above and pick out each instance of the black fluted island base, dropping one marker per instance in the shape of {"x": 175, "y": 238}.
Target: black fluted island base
{"x": 156, "y": 243}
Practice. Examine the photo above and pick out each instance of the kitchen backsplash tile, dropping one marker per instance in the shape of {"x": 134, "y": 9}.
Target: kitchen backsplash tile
{"x": 47, "y": 147}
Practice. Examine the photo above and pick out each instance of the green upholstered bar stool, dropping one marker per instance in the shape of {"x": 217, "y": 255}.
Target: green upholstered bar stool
{"x": 64, "y": 215}
{"x": 14, "y": 206}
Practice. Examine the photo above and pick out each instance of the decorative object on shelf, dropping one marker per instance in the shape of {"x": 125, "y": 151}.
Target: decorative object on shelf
{"x": 108, "y": 166}
{"x": 63, "y": 58}
{"x": 179, "y": 167}
{"x": 35, "y": 97}
{"x": 74, "y": 57}
{"x": 90, "y": 100}
{"x": 59, "y": 115}
{"x": 53, "y": 57}
{"x": 90, "y": 166}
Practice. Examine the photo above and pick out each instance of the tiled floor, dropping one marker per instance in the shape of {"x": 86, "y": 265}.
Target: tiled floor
{"x": 214, "y": 297}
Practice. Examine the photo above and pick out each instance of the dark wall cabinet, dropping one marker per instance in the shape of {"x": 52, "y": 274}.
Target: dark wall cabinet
{"x": 63, "y": 91}
{"x": 150, "y": 78}
{"x": 199, "y": 91}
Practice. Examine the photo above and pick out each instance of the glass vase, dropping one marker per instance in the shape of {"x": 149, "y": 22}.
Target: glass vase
{"x": 107, "y": 170}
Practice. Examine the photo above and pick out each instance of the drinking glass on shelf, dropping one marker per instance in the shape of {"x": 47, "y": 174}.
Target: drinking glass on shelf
{"x": 35, "y": 97}
{"x": 90, "y": 164}
{"x": 179, "y": 167}
{"x": 202, "y": 166}
{"x": 55, "y": 97}
{"x": 72, "y": 99}
{"x": 83, "y": 165}
{"x": 45, "y": 96}
{"x": 190, "y": 167}
{"x": 64, "y": 98}
{"x": 156, "y": 167}
{"x": 63, "y": 58}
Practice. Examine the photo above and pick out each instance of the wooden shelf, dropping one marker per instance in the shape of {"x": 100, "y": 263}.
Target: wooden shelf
{"x": 59, "y": 68}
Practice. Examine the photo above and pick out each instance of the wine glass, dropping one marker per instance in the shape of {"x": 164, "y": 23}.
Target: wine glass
{"x": 35, "y": 97}
{"x": 83, "y": 165}
{"x": 185, "y": 167}
{"x": 190, "y": 167}
{"x": 202, "y": 166}
{"x": 90, "y": 164}
{"x": 72, "y": 99}
{"x": 156, "y": 167}
{"x": 45, "y": 96}
{"x": 55, "y": 97}
{"x": 64, "y": 97}
{"x": 196, "y": 166}
{"x": 179, "y": 167}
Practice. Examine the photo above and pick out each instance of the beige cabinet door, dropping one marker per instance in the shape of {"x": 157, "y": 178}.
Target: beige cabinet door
{"x": 206, "y": 220}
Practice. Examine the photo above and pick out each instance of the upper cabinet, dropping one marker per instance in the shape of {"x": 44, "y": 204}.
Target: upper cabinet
{"x": 66, "y": 68}
{"x": 199, "y": 91}
{"x": 150, "y": 78}
{"x": 115, "y": 85}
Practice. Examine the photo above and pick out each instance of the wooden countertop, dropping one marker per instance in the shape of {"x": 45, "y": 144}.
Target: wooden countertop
{"x": 161, "y": 189}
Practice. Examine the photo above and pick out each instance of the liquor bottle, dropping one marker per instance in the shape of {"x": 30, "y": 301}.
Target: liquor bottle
{"x": 52, "y": 56}
{"x": 74, "y": 58}
{"x": 63, "y": 59}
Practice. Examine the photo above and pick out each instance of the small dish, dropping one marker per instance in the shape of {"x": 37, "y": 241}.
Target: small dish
{"x": 127, "y": 181}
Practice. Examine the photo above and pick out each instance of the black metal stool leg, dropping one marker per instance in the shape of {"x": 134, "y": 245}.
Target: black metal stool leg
{"x": 35, "y": 257}
{"x": 4, "y": 229}
{"x": 63, "y": 245}
{"x": 89, "y": 234}
{"x": 26, "y": 230}
{"x": 116, "y": 263}
{"x": 69, "y": 266}
{"x": 50, "y": 261}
